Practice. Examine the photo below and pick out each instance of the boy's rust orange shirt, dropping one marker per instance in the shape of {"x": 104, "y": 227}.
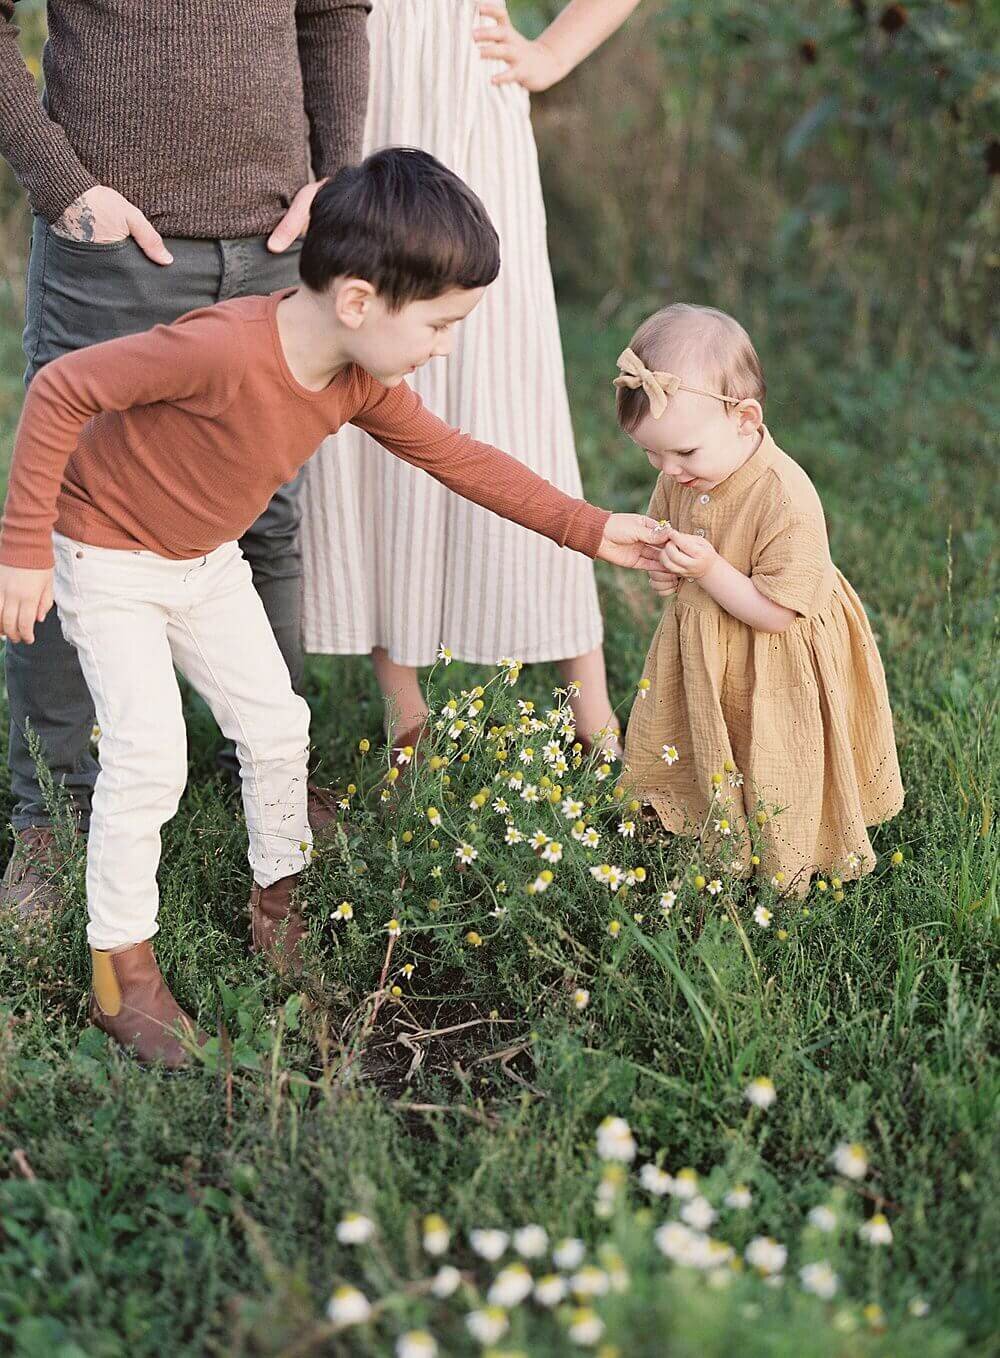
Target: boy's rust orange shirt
{"x": 175, "y": 440}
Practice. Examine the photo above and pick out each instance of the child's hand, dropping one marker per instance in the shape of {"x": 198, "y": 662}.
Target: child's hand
{"x": 633, "y": 541}
{"x": 687, "y": 555}
{"x": 531, "y": 64}
{"x": 664, "y": 582}
{"x": 25, "y": 598}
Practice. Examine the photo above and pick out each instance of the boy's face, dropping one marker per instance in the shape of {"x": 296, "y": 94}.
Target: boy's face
{"x": 393, "y": 344}
{"x": 698, "y": 441}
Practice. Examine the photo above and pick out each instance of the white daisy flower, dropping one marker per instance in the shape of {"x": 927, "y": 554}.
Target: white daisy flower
{"x": 512, "y": 835}
{"x": 581, "y": 998}
{"x": 553, "y": 851}
{"x": 765, "y": 1254}
{"x": 850, "y": 1159}
{"x": 465, "y": 853}
{"x": 444, "y": 654}
{"x": 589, "y": 1282}
{"x": 446, "y": 1281}
{"x": 823, "y": 1219}
{"x": 655, "y": 1180}
{"x": 667, "y": 902}
{"x": 348, "y": 1306}
{"x": 876, "y": 1230}
{"x": 529, "y": 793}
{"x": 762, "y": 916}
{"x": 698, "y": 1213}
{"x": 437, "y": 1236}
{"x": 539, "y": 839}
{"x": 500, "y": 806}
{"x": 669, "y": 754}
{"x": 531, "y": 1242}
{"x": 355, "y": 1229}
{"x": 590, "y": 838}
{"x": 760, "y": 1092}
{"x": 685, "y": 1184}
{"x": 738, "y": 1197}
{"x": 487, "y": 1325}
{"x": 820, "y": 1279}
{"x": 615, "y": 1140}
{"x": 572, "y": 809}
{"x": 510, "y": 1287}
{"x": 489, "y": 1244}
{"x": 569, "y": 1253}
{"x": 416, "y": 1344}
{"x": 550, "y": 1290}
{"x": 585, "y": 1327}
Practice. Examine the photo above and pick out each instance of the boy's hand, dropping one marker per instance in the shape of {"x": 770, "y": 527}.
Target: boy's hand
{"x": 664, "y": 582}
{"x": 633, "y": 541}
{"x": 25, "y": 598}
{"x": 688, "y": 555}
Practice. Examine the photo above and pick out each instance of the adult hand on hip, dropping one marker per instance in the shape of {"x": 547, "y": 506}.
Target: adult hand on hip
{"x": 102, "y": 216}
{"x": 295, "y": 221}
{"x": 531, "y": 64}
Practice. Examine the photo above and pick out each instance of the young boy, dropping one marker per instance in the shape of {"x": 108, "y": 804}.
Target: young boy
{"x": 139, "y": 462}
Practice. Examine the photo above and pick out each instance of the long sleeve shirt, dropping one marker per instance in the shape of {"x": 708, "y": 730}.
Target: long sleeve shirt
{"x": 174, "y": 441}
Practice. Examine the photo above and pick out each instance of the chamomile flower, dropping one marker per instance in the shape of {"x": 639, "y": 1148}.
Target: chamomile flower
{"x": 603, "y": 773}
{"x": 876, "y": 1230}
{"x": 444, "y": 654}
{"x": 615, "y": 928}
{"x": 766, "y": 1255}
{"x": 698, "y": 1213}
{"x": 416, "y": 1344}
{"x": 394, "y": 928}
{"x": 572, "y": 809}
{"x": 569, "y": 1253}
{"x": 590, "y": 839}
{"x": 643, "y": 687}
{"x": 436, "y": 1235}
{"x": 553, "y": 851}
{"x": 501, "y": 807}
{"x": 669, "y": 754}
{"x": 446, "y": 1281}
{"x": 760, "y": 1092}
{"x": 343, "y": 911}
{"x": 515, "y": 782}
{"x": 723, "y": 827}
{"x": 590, "y": 1281}
{"x": 538, "y": 840}
{"x": 581, "y": 998}
{"x": 615, "y": 1140}
{"x": 655, "y": 1180}
{"x": 850, "y": 1159}
{"x": 685, "y": 1184}
{"x": 551, "y": 750}
{"x": 525, "y": 707}
{"x": 667, "y": 902}
{"x": 820, "y": 1279}
{"x": 542, "y": 882}
{"x": 434, "y": 816}
{"x": 550, "y": 1290}
{"x": 918, "y": 1307}
{"x": 626, "y": 829}
{"x": 527, "y": 755}
{"x": 823, "y": 1219}
{"x": 489, "y": 1244}
{"x": 510, "y": 1287}
{"x": 585, "y": 1327}
{"x": 762, "y": 917}
{"x": 512, "y": 835}
{"x": 531, "y": 1242}
{"x": 529, "y": 793}
{"x": 488, "y": 1324}
{"x": 355, "y": 1229}
{"x": 348, "y": 1306}
{"x": 714, "y": 887}
{"x": 738, "y": 1198}
{"x": 404, "y": 755}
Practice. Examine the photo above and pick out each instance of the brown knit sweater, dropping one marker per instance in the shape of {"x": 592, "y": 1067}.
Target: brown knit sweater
{"x": 201, "y": 112}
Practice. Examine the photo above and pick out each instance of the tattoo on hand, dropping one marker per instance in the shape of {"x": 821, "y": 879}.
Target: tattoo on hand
{"x": 77, "y": 222}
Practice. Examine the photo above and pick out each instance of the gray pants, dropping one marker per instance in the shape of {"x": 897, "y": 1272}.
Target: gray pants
{"x": 80, "y": 294}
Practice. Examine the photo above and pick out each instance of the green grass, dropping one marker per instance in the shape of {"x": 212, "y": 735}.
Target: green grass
{"x": 197, "y": 1214}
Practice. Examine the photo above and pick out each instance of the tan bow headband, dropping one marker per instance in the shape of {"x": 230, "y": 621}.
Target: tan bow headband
{"x": 659, "y": 387}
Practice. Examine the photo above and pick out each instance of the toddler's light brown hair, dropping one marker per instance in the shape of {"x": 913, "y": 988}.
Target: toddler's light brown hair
{"x": 702, "y": 346}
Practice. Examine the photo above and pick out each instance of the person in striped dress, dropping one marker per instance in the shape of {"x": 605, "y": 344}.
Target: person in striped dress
{"x": 395, "y": 564}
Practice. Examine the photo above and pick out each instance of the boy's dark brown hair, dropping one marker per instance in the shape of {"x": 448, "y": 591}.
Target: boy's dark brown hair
{"x": 403, "y": 222}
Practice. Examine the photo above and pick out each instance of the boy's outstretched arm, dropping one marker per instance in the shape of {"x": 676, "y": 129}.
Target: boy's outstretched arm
{"x": 398, "y": 419}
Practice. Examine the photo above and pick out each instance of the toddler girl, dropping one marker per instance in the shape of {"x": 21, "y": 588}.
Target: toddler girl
{"x": 766, "y": 702}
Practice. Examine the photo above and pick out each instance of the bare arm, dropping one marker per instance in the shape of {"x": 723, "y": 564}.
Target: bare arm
{"x": 570, "y": 38}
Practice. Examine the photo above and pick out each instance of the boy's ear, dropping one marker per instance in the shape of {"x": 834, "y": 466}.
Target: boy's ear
{"x": 353, "y": 302}
{"x": 750, "y": 415}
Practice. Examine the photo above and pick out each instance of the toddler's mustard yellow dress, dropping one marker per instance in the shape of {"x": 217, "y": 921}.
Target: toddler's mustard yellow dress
{"x": 798, "y": 722}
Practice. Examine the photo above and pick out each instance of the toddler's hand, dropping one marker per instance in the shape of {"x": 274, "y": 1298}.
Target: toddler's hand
{"x": 688, "y": 555}
{"x": 664, "y": 582}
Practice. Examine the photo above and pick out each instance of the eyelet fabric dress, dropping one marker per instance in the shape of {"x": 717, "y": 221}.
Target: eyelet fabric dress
{"x": 795, "y": 725}
{"x": 391, "y": 558}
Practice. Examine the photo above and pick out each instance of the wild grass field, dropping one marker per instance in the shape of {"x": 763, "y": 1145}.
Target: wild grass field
{"x": 630, "y": 1070}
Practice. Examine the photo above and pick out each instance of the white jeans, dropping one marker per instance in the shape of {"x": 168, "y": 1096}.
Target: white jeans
{"x": 132, "y": 617}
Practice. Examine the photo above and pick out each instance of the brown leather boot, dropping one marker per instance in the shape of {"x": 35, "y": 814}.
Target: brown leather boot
{"x": 131, "y": 1003}
{"x": 324, "y": 813}
{"x": 32, "y": 882}
{"x": 276, "y": 925}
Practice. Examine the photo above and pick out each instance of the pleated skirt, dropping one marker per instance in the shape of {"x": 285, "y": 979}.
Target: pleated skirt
{"x": 391, "y": 558}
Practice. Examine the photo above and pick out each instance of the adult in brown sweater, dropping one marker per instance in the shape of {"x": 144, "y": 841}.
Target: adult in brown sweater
{"x": 150, "y": 455}
{"x": 168, "y": 167}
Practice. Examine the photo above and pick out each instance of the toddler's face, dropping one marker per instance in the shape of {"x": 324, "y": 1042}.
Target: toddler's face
{"x": 699, "y": 441}
{"x": 393, "y": 344}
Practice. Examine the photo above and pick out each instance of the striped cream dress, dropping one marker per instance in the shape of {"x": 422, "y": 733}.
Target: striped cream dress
{"x": 392, "y": 558}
